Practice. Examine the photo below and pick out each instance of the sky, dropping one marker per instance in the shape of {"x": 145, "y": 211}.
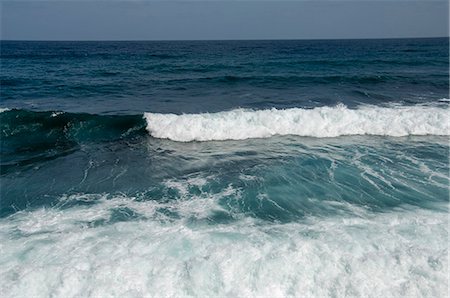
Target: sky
{"x": 226, "y": 19}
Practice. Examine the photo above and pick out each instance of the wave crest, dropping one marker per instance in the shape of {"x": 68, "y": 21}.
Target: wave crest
{"x": 318, "y": 122}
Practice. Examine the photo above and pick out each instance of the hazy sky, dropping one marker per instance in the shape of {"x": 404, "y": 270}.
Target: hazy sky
{"x": 231, "y": 19}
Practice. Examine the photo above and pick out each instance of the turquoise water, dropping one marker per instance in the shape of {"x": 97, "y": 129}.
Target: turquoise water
{"x": 238, "y": 168}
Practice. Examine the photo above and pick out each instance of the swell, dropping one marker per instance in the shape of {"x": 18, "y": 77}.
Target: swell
{"x": 318, "y": 122}
{"x": 304, "y": 79}
{"x": 29, "y": 137}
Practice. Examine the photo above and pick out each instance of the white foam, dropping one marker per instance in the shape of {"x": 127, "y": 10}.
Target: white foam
{"x": 51, "y": 252}
{"x": 55, "y": 114}
{"x": 318, "y": 122}
{"x": 4, "y": 110}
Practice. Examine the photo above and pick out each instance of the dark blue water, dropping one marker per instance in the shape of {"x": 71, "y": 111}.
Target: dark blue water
{"x": 202, "y": 76}
{"x": 239, "y": 168}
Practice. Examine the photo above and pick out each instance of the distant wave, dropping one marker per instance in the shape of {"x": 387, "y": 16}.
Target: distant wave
{"x": 318, "y": 122}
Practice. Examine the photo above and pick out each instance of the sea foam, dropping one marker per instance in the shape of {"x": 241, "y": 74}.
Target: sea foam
{"x": 318, "y": 122}
{"x": 78, "y": 251}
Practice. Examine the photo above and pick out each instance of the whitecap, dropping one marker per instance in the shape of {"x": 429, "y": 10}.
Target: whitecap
{"x": 319, "y": 122}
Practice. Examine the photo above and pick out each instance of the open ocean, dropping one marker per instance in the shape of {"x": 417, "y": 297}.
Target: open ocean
{"x": 225, "y": 168}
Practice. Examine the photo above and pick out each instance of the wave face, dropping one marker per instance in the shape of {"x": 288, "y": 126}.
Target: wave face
{"x": 318, "y": 122}
{"x": 30, "y": 137}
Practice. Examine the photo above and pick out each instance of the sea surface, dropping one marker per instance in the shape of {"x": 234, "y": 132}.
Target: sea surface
{"x": 225, "y": 168}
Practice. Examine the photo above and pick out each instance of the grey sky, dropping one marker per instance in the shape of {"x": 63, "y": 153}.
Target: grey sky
{"x": 169, "y": 20}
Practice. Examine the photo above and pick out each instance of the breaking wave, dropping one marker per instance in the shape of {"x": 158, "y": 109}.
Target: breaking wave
{"x": 318, "y": 122}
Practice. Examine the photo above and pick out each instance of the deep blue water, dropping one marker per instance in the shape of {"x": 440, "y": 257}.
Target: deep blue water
{"x": 202, "y": 76}
{"x": 262, "y": 168}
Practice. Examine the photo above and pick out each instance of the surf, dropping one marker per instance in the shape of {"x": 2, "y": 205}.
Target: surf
{"x": 92, "y": 250}
{"x": 319, "y": 122}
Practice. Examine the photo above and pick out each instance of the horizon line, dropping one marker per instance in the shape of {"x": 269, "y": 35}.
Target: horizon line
{"x": 239, "y": 39}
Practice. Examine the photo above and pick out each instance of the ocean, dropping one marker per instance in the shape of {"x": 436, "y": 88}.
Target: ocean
{"x": 296, "y": 168}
